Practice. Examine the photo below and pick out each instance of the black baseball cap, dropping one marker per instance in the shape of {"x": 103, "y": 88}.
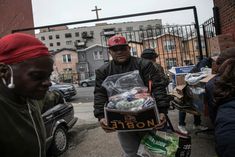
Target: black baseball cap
{"x": 149, "y": 54}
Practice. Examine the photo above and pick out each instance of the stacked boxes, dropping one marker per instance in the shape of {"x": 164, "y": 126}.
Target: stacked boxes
{"x": 178, "y": 73}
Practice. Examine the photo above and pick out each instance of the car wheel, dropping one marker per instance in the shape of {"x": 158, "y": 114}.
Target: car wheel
{"x": 84, "y": 84}
{"x": 60, "y": 141}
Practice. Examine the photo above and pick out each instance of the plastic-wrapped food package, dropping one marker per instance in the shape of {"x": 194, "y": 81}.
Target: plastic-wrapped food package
{"x": 159, "y": 144}
{"x": 120, "y": 83}
{"x": 127, "y": 92}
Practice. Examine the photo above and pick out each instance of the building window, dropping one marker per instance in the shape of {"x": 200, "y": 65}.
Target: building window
{"x": 58, "y": 43}
{"x": 149, "y": 27}
{"x": 42, "y": 38}
{"x": 98, "y": 55}
{"x": 83, "y": 56}
{"x": 169, "y": 45}
{"x": 76, "y": 34}
{"x": 119, "y": 29}
{"x": 51, "y": 44}
{"x": 68, "y": 35}
{"x": 130, "y": 36}
{"x": 69, "y": 42}
{"x": 50, "y": 37}
{"x": 150, "y": 33}
{"x": 153, "y": 44}
{"x": 84, "y": 34}
{"x": 170, "y": 62}
{"x": 57, "y": 36}
{"x": 66, "y": 58}
{"x": 129, "y": 28}
{"x": 133, "y": 51}
{"x": 141, "y": 27}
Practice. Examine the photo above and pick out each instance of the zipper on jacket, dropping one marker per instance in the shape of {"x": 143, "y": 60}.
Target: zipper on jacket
{"x": 35, "y": 129}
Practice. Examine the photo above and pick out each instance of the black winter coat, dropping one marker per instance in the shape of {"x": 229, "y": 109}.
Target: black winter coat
{"x": 146, "y": 70}
{"x": 225, "y": 129}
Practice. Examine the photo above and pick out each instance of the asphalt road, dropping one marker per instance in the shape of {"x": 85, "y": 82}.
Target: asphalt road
{"x": 84, "y": 95}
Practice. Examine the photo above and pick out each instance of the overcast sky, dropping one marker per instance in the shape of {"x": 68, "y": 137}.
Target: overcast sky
{"x": 48, "y": 12}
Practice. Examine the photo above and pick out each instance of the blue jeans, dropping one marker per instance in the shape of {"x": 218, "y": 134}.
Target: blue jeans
{"x": 182, "y": 116}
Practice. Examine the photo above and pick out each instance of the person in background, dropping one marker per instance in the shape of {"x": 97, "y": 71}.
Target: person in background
{"x": 25, "y": 69}
{"x": 205, "y": 62}
{"x": 123, "y": 62}
{"x": 224, "y": 95}
{"x": 218, "y": 60}
{"x": 151, "y": 55}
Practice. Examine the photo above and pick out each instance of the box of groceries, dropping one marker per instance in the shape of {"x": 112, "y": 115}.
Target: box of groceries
{"x": 131, "y": 107}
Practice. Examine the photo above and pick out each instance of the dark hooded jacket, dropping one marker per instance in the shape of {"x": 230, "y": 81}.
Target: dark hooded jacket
{"x": 147, "y": 71}
{"x": 22, "y": 131}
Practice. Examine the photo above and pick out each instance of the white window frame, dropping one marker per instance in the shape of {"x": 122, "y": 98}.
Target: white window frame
{"x": 171, "y": 62}
{"x": 69, "y": 42}
{"x": 169, "y": 45}
{"x": 67, "y": 58}
{"x": 98, "y": 55}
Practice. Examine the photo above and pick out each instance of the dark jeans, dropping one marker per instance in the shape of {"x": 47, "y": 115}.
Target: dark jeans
{"x": 182, "y": 116}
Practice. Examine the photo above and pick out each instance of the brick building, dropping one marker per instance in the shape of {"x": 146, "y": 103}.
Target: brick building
{"x": 15, "y": 14}
{"x": 226, "y": 12}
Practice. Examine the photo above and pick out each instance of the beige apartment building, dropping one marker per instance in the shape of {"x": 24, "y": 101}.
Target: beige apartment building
{"x": 83, "y": 37}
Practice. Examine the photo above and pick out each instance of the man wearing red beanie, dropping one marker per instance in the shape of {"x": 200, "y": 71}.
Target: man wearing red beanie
{"x": 25, "y": 69}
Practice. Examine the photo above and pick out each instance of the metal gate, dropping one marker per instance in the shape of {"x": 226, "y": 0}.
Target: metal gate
{"x": 176, "y": 45}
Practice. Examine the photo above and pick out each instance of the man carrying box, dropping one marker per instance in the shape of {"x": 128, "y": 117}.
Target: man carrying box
{"x": 123, "y": 62}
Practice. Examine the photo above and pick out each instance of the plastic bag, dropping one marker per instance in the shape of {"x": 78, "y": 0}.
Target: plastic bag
{"x": 127, "y": 92}
{"x": 120, "y": 83}
{"x": 159, "y": 144}
{"x": 194, "y": 78}
{"x": 162, "y": 144}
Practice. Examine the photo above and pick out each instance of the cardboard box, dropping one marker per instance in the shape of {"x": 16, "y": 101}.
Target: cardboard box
{"x": 221, "y": 42}
{"x": 145, "y": 119}
{"x": 179, "y": 91}
{"x": 221, "y": 38}
{"x": 218, "y": 47}
{"x": 177, "y": 74}
{"x": 206, "y": 79}
{"x": 180, "y": 80}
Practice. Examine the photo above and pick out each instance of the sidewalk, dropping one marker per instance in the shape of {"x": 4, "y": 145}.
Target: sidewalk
{"x": 89, "y": 140}
{"x": 84, "y": 112}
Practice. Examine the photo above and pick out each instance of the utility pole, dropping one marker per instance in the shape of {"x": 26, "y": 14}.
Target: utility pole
{"x": 96, "y": 11}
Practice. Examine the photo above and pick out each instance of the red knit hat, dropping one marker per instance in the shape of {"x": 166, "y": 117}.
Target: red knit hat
{"x": 117, "y": 40}
{"x": 18, "y": 47}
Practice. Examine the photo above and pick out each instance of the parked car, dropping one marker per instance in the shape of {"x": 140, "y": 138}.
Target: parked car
{"x": 88, "y": 82}
{"x": 58, "y": 121}
{"x": 67, "y": 89}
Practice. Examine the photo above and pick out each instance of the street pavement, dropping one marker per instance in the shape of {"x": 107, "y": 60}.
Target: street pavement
{"x": 87, "y": 139}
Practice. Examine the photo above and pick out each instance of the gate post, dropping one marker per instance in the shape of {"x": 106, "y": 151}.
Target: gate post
{"x": 205, "y": 39}
{"x": 198, "y": 32}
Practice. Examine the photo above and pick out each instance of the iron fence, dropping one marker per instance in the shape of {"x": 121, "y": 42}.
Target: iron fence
{"x": 175, "y": 45}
